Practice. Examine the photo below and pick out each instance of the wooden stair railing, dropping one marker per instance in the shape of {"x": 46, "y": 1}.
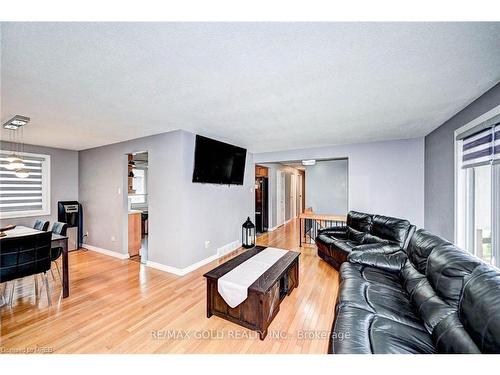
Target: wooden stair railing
{"x": 310, "y": 223}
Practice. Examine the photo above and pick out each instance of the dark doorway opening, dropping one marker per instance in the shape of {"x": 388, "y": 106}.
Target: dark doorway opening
{"x": 261, "y": 199}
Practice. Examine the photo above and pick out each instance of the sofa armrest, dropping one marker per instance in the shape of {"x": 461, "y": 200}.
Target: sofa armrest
{"x": 336, "y": 231}
{"x": 335, "y": 228}
{"x": 387, "y": 257}
{"x": 378, "y": 248}
{"x": 337, "y": 235}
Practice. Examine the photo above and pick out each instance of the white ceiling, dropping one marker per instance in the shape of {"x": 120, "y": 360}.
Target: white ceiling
{"x": 293, "y": 164}
{"x": 264, "y": 86}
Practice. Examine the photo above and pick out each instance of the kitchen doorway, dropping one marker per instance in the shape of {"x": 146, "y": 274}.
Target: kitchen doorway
{"x": 137, "y": 206}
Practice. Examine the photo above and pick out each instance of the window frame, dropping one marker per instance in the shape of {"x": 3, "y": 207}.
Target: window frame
{"x": 463, "y": 227}
{"x": 144, "y": 196}
{"x": 46, "y": 207}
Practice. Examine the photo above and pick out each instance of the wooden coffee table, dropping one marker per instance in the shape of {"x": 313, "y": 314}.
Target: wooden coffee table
{"x": 264, "y": 295}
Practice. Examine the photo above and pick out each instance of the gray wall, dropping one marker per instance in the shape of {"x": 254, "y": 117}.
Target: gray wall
{"x": 439, "y": 165}
{"x": 384, "y": 177}
{"x": 317, "y": 179}
{"x": 104, "y": 195}
{"x": 326, "y": 187}
{"x": 182, "y": 215}
{"x": 212, "y": 212}
{"x": 63, "y": 180}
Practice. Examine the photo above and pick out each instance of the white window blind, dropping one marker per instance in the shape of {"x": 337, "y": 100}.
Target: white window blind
{"x": 22, "y": 197}
{"x": 480, "y": 145}
{"x": 481, "y": 148}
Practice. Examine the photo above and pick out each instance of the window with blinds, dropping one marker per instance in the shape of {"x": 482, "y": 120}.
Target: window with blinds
{"x": 477, "y": 187}
{"x": 28, "y": 196}
{"x": 481, "y": 147}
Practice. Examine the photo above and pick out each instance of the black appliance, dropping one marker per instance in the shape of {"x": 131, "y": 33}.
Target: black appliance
{"x": 71, "y": 213}
{"x": 261, "y": 204}
{"x": 217, "y": 162}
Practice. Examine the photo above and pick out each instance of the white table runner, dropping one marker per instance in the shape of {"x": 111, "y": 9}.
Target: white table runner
{"x": 233, "y": 286}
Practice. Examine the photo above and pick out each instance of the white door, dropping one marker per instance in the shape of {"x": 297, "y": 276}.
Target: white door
{"x": 293, "y": 196}
{"x": 280, "y": 198}
{"x": 300, "y": 209}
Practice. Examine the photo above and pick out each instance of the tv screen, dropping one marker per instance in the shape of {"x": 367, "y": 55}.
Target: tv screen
{"x": 218, "y": 162}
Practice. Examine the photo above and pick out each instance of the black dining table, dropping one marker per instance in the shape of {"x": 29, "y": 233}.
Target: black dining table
{"x": 57, "y": 241}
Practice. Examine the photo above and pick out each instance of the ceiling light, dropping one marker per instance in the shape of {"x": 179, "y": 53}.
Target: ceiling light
{"x": 22, "y": 173}
{"x": 309, "y": 162}
{"x": 14, "y": 164}
{"x": 16, "y": 122}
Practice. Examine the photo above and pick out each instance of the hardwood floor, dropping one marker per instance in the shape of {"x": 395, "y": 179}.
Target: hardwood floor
{"x": 121, "y": 306}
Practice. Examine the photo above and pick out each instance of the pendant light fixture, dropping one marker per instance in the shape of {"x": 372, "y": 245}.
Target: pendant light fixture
{"x": 14, "y": 163}
{"x": 16, "y": 122}
{"x": 16, "y": 127}
{"x": 22, "y": 173}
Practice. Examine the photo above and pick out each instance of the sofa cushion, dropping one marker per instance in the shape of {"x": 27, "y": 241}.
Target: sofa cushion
{"x": 333, "y": 229}
{"x": 429, "y": 306}
{"x": 447, "y": 269}
{"x": 370, "y": 274}
{"x": 357, "y": 331}
{"x": 370, "y": 238}
{"x": 390, "y": 228}
{"x": 344, "y": 246}
{"x": 411, "y": 277}
{"x": 479, "y": 309}
{"x": 420, "y": 247}
{"x": 391, "y": 337}
{"x": 333, "y": 233}
{"x": 351, "y": 331}
{"x": 355, "y": 235}
{"x": 359, "y": 221}
{"x": 450, "y": 336}
{"x": 386, "y": 257}
{"x": 411, "y": 232}
{"x": 325, "y": 239}
{"x": 379, "y": 299}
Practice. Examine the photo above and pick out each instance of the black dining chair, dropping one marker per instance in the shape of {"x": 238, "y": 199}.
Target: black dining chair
{"x": 25, "y": 256}
{"x": 41, "y": 225}
{"x": 56, "y": 252}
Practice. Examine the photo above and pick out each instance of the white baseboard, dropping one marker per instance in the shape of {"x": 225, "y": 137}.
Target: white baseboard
{"x": 107, "y": 252}
{"x": 226, "y": 249}
{"x": 221, "y": 251}
{"x": 273, "y": 228}
{"x": 165, "y": 268}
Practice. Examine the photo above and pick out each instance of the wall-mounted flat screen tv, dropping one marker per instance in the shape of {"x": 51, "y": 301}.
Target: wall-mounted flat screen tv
{"x": 218, "y": 162}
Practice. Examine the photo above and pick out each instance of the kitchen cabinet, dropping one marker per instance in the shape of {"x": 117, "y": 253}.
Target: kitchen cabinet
{"x": 134, "y": 232}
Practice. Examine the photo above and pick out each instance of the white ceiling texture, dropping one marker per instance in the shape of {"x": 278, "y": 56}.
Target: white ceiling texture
{"x": 264, "y": 86}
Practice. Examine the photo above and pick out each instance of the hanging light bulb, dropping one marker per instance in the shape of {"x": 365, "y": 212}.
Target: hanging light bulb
{"x": 22, "y": 173}
{"x": 8, "y": 165}
{"x": 16, "y": 127}
{"x": 14, "y": 163}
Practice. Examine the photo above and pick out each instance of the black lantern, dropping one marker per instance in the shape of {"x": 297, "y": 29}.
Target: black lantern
{"x": 248, "y": 234}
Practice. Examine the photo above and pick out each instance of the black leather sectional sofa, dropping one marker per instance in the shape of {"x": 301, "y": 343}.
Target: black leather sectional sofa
{"x": 431, "y": 297}
{"x": 363, "y": 232}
